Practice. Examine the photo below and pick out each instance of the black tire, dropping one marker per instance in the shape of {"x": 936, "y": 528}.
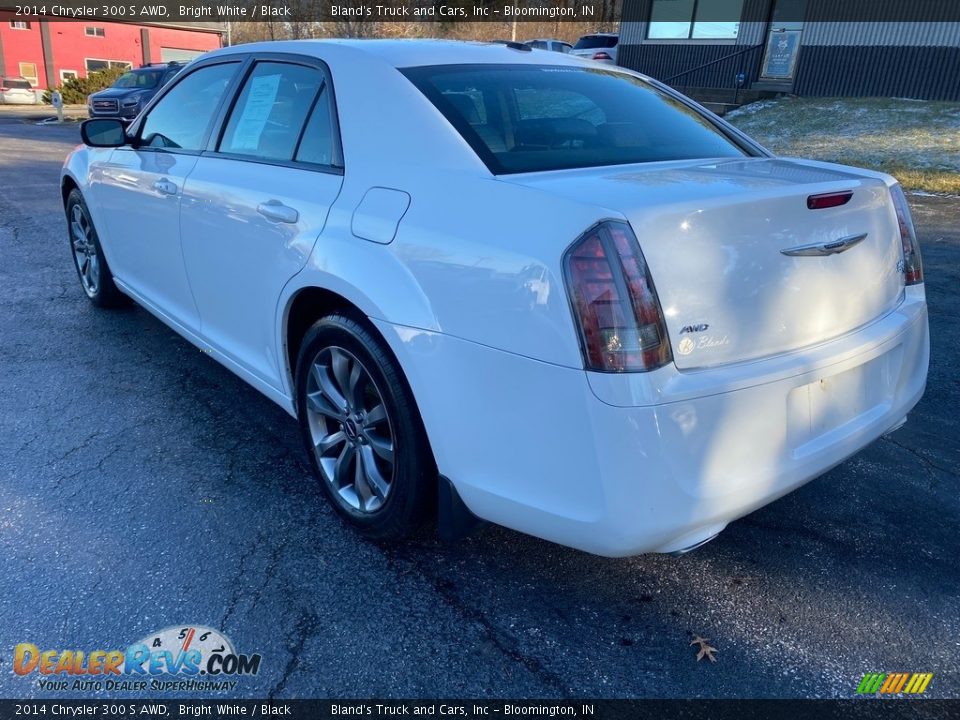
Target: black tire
{"x": 412, "y": 488}
{"x": 102, "y": 292}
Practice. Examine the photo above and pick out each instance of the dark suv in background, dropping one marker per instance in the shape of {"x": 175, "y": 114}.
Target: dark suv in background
{"x": 131, "y": 92}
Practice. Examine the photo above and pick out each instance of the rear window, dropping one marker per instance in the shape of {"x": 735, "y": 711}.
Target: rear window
{"x": 16, "y": 84}
{"x": 529, "y": 118}
{"x": 589, "y": 42}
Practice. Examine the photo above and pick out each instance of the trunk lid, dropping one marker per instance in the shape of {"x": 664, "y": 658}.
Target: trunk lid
{"x": 713, "y": 234}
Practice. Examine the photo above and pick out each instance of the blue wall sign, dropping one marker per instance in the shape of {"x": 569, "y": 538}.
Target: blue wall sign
{"x": 781, "y": 56}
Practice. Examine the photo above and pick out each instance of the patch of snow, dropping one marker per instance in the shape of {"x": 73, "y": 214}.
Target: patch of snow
{"x": 751, "y": 108}
{"x": 926, "y": 193}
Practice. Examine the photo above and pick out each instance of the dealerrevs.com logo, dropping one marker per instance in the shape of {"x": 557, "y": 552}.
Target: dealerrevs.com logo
{"x": 178, "y": 658}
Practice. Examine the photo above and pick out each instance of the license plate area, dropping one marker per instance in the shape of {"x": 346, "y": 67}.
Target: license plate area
{"x": 832, "y": 407}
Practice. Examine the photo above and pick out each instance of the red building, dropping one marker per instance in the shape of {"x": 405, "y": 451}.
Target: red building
{"x": 47, "y": 52}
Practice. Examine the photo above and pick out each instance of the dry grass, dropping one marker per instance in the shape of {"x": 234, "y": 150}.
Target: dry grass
{"x": 918, "y": 142}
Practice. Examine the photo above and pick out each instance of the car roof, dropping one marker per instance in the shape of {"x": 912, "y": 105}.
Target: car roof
{"x": 405, "y": 53}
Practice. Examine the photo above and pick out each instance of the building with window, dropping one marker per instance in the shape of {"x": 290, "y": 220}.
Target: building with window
{"x": 889, "y": 48}
{"x": 47, "y": 52}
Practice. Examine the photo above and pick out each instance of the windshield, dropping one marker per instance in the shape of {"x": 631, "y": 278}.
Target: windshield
{"x": 141, "y": 79}
{"x": 528, "y": 118}
{"x": 16, "y": 84}
{"x": 589, "y": 42}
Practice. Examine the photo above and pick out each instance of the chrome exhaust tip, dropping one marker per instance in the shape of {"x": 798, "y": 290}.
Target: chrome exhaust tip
{"x": 896, "y": 426}
{"x": 691, "y": 548}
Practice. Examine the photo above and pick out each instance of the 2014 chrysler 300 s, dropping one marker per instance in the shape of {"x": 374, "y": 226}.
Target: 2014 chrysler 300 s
{"x": 556, "y": 295}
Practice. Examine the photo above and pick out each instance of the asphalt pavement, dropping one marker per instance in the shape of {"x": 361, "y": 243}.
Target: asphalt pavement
{"x": 144, "y": 486}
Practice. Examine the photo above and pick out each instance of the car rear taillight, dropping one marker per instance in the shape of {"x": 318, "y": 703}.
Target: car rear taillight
{"x": 829, "y": 200}
{"x": 614, "y": 302}
{"x": 602, "y": 56}
{"x": 912, "y": 262}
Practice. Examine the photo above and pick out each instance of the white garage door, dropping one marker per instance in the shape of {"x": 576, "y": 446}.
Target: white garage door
{"x": 178, "y": 55}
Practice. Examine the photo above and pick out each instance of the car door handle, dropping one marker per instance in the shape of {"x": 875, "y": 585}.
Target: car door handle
{"x": 166, "y": 187}
{"x": 278, "y": 212}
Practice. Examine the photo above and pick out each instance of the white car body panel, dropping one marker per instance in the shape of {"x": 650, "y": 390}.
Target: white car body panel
{"x": 729, "y": 226}
{"x": 461, "y": 272}
{"x": 550, "y": 45}
{"x": 670, "y": 471}
{"x": 238, "y": 261}
{"x": 142, "y": 225}
{"x": 588, "y": 55}
{"x": 18, "y": 95}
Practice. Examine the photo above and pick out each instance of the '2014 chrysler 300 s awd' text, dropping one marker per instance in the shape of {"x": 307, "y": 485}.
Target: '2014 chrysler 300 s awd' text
{"x": 508, "y": 284}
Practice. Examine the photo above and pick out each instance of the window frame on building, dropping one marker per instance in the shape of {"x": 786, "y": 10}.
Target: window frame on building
{"x": 20, "y": 24}
{"x": 66, "y": 74}
{"x": 94, "y": 31}
{"x": 110, "y": 64}
{"x": 33, "y": 77}
{"x": 692, "y": 22}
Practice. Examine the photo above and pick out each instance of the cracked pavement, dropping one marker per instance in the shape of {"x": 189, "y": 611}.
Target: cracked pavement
{"x": 143, "y": 486}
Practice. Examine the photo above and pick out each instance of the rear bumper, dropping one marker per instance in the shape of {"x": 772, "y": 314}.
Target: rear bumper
{"x": 18, "y": 100}
{"x": 658, "y": 462}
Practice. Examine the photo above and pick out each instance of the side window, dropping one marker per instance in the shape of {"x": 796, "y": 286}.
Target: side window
{"x": 270, "y": 113}
{"x": 318, "y": 143}
{"x": 181, "y": 118}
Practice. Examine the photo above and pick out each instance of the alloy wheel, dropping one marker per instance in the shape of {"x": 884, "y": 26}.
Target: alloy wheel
{"x": 350, "y": 430}
{"x": 84, "y": 250}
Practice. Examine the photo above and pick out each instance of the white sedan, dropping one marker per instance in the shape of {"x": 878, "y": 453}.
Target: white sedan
{"x": 16, "y": 91}
{"x": 491, "y": 283}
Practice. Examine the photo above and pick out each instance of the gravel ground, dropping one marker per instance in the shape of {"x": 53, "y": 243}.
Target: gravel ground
{"x": 143, "y": 486}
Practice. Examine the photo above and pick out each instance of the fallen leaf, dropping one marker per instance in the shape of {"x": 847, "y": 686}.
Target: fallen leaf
{"x": 706, "y": 650}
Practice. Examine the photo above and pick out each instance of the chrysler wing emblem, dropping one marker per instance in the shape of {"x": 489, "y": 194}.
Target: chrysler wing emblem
{"x": 828, "y": 248}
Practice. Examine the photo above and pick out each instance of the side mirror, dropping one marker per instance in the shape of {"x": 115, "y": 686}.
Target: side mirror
{"x": 103, "y": 132}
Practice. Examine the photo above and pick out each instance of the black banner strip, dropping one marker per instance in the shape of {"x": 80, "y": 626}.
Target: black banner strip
{"x": 454, "y": 11}
{"x": 872, "y": 707}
